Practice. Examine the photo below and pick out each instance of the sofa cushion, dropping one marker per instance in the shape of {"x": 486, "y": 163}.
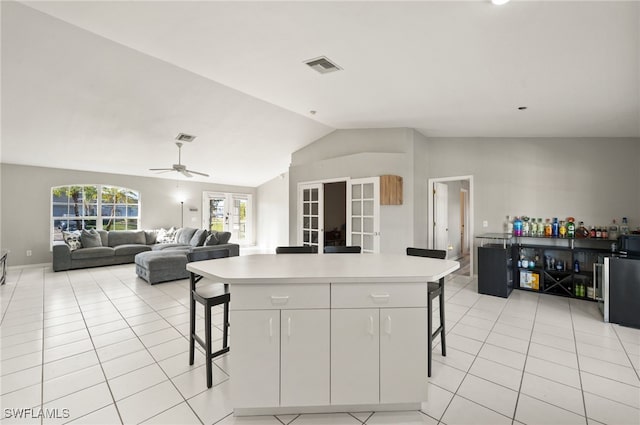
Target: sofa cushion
{"x": 90, "y": 238}
{"x": 212, "y": 239}
{"x": 97, "y": 252}
{"x": 169, "y": 246}
{"x": 199, "y": 237}
{"x": 131, "y": 249}
{"x": 123, "y": 237}
{"x": 223, "y": 237}
{"x": 151, "y": 237}
{"x": 104, "y": 236}
{"x": 72, "y": 239}
{"x": 184, "y": 235}
{"x": 166, "y": 235}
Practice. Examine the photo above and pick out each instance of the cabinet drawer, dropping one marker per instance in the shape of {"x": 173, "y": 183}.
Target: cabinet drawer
{"x": 279, "y": 297}
{"x": 367, "y": 295}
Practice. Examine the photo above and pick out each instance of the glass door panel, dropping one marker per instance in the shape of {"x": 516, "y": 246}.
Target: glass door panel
{"x": 365, "y": 214}
{"x": 310, "y": 220}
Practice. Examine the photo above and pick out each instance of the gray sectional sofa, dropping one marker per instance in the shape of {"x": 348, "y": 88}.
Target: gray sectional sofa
{"x": 121, "y": 247}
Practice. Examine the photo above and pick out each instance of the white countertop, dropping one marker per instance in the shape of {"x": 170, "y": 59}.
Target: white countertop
{"x": 324, "y": 268}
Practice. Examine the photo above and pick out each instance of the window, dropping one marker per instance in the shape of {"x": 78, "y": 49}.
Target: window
{"x": 80, "y": 207}
{"x": 229, "y": 212}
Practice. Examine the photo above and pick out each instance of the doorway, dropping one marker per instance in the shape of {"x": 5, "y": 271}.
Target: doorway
{"x": 335, "y": 214}
{"x": 450, "y": 218}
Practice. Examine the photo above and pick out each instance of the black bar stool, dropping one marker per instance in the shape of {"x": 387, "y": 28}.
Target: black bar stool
{"x": 435, "y": 289}
{"x": 208, "y": 295}
{"x": 306, "y": 249}
{"x": 342, "y": 250}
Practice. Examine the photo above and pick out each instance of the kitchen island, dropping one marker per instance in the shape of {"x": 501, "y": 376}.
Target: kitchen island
{"x": 327, "y": 333}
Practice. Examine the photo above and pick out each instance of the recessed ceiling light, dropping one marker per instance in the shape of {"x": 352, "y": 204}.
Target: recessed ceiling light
{"x": 522, "y": 108}
{"x": 499, "y": 2}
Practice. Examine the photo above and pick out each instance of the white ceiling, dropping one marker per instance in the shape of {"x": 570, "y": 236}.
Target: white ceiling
{"x": 111, "y": 90}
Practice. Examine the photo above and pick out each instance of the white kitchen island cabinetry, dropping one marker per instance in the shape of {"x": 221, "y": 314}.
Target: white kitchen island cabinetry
{"x": 323, "y": 333}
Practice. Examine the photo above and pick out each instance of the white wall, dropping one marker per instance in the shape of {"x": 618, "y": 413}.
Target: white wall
{"x": 594, "y": 180}
{"x": 356, "y": 154}
{"x": 26, "y": 204}
{"x": 273, "y": 213}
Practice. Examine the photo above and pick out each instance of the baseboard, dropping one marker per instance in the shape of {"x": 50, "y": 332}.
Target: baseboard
{"x": 30, "y": 266}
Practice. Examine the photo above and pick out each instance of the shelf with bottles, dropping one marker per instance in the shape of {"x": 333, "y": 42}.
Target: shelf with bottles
{"x": 569, "y": 229}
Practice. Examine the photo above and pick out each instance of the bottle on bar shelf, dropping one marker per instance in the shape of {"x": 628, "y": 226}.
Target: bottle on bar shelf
{"x": 562, "y": 229}
{"x": 582, "y": 231}
{"x": 571, "y": 227}
{"x": 548, "y": 231}
{"x": 592, "y": 232}
{"x": 555, "y": 227}
{"x": 526, "y": 228}
{"x": 598, "y": 232}
{"x": 508, "y": 226}
{"x": 613, "y": 230}
{"x": 517, "y": 227}
{"x": 624, "y": 227}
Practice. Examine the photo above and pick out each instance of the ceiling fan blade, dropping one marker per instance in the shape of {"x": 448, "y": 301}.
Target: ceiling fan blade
{"x": 198, "y": 173}
{"x": 185, "y": 173}
{"x": 160, "y": 169}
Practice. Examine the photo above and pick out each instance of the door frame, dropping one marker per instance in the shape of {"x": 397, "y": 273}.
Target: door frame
{"x": 430, "y": 223}
{"x": 320, "y": 225}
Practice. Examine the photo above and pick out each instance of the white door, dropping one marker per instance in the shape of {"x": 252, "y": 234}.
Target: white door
{"x": 403, "y": 355}
{"x": 255, "y": 363}
{"x": 363, "y": 225}
{"x": 310, "y": 215}
{"x": 355, "y": 356}
{"x": 228, "y": 212}
{"x": 304, "y": 357}
{"x": 440, "y": 216}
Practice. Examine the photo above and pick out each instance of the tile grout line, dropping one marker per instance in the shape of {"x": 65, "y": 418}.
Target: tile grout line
{"x": 524, "y": 366}
{"x": 106, "y": 380}
{"x": 13, "y": 291}
{"x": 633, "y": 366}
{"x": 575, "y": 342}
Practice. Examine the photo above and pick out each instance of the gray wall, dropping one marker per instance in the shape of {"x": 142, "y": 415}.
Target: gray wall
{"x": 26, "y": 204}
{"x": 594, "y": 180}
{"x": 591, "y": 179}
{"x": 358, "y": 154}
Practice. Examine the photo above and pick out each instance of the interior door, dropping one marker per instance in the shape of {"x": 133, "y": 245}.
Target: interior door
{"x": 363, "y": 225}
{"x": 310, "y": 215}
{"x": 440, "y": 216}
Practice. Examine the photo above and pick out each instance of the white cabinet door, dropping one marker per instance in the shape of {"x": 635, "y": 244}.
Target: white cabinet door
{"x": 355, "y": 356}
{"x": 255, "y": 358}
{"x": 304, "y": 362}
{"x": 403, "y": 355}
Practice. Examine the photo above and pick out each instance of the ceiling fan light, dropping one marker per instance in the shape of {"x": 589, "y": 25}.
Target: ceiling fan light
{"x": 499, "y": 2}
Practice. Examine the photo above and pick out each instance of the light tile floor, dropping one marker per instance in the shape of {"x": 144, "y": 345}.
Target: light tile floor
{"x": 110, "y": 349}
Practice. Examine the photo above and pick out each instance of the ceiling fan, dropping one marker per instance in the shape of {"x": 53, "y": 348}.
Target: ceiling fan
{"x": 179, "y": 167}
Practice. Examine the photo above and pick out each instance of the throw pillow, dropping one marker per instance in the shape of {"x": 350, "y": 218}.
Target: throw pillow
{"x": 199, "y": 237}
{"x": 90, "y": 238}
{"x": 72, "y": 239}
{"x": 223, "y": 237}
{"x": 212, "y": 239}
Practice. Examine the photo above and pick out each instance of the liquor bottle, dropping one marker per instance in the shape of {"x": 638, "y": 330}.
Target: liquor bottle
{"x": 592, "y": 232}
{"x": 624, "y": 227}
{"x": 598, "y": 232}
{"x": 613, "y": 230}
{"x": 517, "y": 227}
{"x": 576, "y": 266}
{"x": 533, "y": 227}
{"x": 555, "y": 227}
{"x": 605, "y": 232}
{"x": 508, "y": 226}
{"x": 540, "y": 228}
{"x": 548, "y": 228}
{"x": 526, "y": 228}
{"x": 571, "y": 227}
{"x": 562, "y": 229}
{"x": 582, "y": 232}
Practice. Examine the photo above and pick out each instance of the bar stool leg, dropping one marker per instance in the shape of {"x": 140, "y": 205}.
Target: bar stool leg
{"x": 207, "y": 324}
{"x": 429, "y": 333}
{"x": 442, "y": 335}
{"x": 225, "y": 326}
{"x": 192, "y": 329}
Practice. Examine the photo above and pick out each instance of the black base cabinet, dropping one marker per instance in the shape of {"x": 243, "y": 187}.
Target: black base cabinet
{"x": 624, "y": 291}
{"x": 495, "y": 270}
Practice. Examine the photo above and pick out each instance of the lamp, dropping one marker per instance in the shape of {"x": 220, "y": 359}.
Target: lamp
{"x": 180, "y": 198}
{"x": 499, "y": 2}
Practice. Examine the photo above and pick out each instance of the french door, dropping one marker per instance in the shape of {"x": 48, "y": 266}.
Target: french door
{"x": 311, "y": 215}
{"x": 363, "y": 226}
{"x": 228, "y": 212}
{"x": 363, "y": 214}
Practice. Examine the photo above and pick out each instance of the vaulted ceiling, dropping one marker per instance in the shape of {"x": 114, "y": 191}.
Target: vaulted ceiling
{"x": 107, "y": 85}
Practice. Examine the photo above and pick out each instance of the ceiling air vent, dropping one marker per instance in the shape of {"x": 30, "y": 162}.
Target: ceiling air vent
{"x": 185, "y": 137}
{"x": 322, "y": 65}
